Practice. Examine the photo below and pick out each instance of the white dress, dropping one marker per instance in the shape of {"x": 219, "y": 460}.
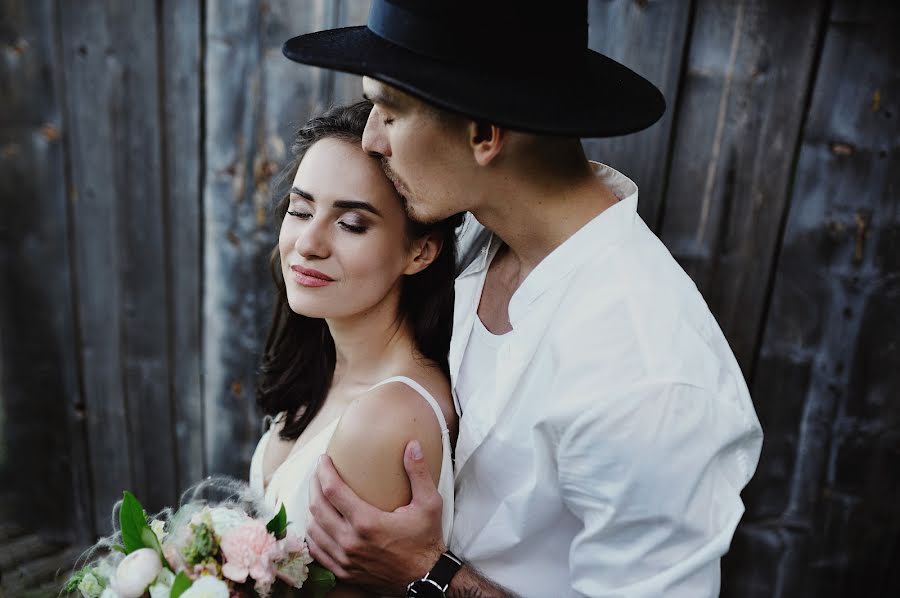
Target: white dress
{"x": 290, "y": 482}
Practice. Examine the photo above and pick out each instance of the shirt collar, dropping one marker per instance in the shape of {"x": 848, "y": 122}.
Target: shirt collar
{"x": 602, "y": 232}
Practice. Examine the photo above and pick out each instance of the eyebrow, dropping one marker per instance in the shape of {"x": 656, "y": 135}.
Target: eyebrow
{"x": 383, "y": 97}
{"x": 343, "y": 204}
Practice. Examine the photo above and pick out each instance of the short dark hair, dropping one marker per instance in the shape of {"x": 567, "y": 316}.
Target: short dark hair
{"x": 298, "y": 361}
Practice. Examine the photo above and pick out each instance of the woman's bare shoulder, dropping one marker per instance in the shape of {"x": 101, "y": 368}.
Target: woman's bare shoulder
{"x": 367, "y": 446}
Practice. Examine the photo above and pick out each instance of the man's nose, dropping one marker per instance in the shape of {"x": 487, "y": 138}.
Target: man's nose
{"x": 374, "y": 140}
{"x": 313, "y": 242}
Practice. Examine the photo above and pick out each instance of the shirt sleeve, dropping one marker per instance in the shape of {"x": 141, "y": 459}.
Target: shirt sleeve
{"x": 655, "y": 477}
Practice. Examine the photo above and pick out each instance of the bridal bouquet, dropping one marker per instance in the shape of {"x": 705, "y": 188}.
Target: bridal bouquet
{"x": 223, "y": 550}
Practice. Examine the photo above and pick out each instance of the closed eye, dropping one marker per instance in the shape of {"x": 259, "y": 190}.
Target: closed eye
{"x": 352, "y": 228}
{"x": 301, "y": 215}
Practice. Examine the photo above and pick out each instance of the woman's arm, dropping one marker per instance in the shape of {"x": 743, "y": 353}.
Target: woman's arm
{"x": 368, "y": 445}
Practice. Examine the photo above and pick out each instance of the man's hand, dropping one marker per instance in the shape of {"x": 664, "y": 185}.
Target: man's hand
{"x": 363, "y": 545}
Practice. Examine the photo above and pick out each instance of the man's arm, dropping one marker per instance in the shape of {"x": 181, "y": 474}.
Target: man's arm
{"x": 468, "y": 583}
{"x": 655, "y": 478}
{"x": 379, "y": 550}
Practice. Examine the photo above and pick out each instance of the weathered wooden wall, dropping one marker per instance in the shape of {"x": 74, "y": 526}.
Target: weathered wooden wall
{"x": 137, "y": 148}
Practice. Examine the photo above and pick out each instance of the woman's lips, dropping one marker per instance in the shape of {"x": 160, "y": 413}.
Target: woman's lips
{"x": 310, "y": 278}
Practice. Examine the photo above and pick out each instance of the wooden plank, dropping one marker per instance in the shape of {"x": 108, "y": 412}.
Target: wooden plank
{"x": 182, "y": 146}
{"x": 44, "y": 460}
{"x": 741, "y": 108}
{"x": 109, "y": 52}
{"x": 234, "y": 245}
{"x": 349, "y": 13}
{"x": 649, "y": 38}
{"x": 25, "y": 549}
{"x": 41, "y": 577}
{"x": 822, "y": 508}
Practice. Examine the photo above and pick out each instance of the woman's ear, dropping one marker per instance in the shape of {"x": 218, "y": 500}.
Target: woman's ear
{"x": 422, "y": 252}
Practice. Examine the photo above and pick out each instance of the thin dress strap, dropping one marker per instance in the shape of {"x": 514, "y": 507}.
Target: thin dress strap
{"x": 425, "y": 395}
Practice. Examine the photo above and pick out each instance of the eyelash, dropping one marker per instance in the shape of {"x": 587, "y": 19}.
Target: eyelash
{"x": 350, "y": 228}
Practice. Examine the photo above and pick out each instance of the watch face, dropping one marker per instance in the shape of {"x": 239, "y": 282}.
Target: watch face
{"x": 423, "y": 588}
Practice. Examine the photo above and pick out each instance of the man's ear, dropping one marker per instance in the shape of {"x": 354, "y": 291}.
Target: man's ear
{"x": 422, "y": 252}
{"x": 486, "y": 141}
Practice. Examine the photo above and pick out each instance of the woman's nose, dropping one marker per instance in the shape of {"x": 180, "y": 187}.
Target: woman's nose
{"x": 312, "y": 242}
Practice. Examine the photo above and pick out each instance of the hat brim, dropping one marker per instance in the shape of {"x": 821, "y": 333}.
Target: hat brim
{"x": 602, "y": 99}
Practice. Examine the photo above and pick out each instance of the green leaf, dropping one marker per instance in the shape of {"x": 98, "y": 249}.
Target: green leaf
{"x": 319, "y": 583}
{"x": 180, "y": 585}
{"x": 150, "y": 540}
{"x": 119, "y": 548}
{"x": 133, "y": 522}
{"x": 278, "y": 524}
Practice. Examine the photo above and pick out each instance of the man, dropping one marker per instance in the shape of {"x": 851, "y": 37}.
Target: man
{"x": 606, "y": 430}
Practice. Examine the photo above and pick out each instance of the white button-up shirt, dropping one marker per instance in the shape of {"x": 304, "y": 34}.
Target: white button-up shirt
{"x": 609, "y": 457}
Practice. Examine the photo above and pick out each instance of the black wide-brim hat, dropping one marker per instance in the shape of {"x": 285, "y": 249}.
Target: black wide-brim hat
{"x": 520, "y": 65}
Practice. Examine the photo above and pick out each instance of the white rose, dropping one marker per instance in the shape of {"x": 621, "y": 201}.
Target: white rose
{"x": 136, "y": 572}
{"x": 225, "y": 519}
{"x": 207, "y": 587}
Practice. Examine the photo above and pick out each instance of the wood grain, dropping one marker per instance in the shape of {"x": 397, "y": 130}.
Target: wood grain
{"x": 821, "y": 511}
{"x": 181, "y": 68}
{"x": 42, "y": 453}
{"x": 651, "y": 39}
{"x": 748, "y": 72}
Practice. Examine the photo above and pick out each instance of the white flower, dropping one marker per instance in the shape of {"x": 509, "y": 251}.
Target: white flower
{"x": 222, "y": 519}
{"x": 159, "y": 528}
{"x": 207, "y": 587}
{"x": 162, "y": 587}
{"x": 109, "y": 593}
{"x": 90, "y": 587}
{"x": 136, "y": 572}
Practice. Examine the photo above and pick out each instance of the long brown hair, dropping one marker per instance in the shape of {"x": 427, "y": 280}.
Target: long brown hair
{"x": 298, "y": 361}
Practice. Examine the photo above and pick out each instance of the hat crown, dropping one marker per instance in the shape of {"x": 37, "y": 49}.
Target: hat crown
{"x": 499, "y": 34}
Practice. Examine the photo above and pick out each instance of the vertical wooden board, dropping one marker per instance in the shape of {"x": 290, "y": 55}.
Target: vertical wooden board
{"x": 89, "y": 77}
{"x": 829, "y": 362}
{"x": 138, "y": 195}
{"x": 348, "y": 87}
{"x": 110, "y": 54}
{"x": 741, "y": 108}
{"x": 181, "y": 46}
{"x": 43, "y": 461}
{"x": 649, "y": 38}
{"x": 236, "y": 238}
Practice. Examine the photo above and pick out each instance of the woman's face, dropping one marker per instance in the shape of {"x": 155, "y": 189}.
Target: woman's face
{"x": 343, "y": 242}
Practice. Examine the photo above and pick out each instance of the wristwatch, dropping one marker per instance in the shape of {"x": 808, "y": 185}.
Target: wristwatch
{"x": 436, "y": 581}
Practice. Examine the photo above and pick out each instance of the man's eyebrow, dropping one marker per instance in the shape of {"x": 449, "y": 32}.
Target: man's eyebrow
{"x": 383, "y": 98}
{"x": 341, "y": 204}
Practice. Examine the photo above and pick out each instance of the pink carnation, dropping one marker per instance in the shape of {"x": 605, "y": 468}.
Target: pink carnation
{"x": 250, "y": 550}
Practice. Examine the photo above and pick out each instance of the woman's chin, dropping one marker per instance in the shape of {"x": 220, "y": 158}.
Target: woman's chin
{"x": 310, "y": 309}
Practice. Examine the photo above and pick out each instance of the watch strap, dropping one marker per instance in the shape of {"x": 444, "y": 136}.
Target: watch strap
{"x": 443, "y": 571}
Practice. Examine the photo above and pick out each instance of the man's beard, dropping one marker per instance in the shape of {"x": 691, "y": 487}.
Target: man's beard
{"x": 402, "y": 190}
{"x": 395, "y": 180}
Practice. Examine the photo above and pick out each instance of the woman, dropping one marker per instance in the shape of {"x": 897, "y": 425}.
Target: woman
{"x": 356, "y": 360}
